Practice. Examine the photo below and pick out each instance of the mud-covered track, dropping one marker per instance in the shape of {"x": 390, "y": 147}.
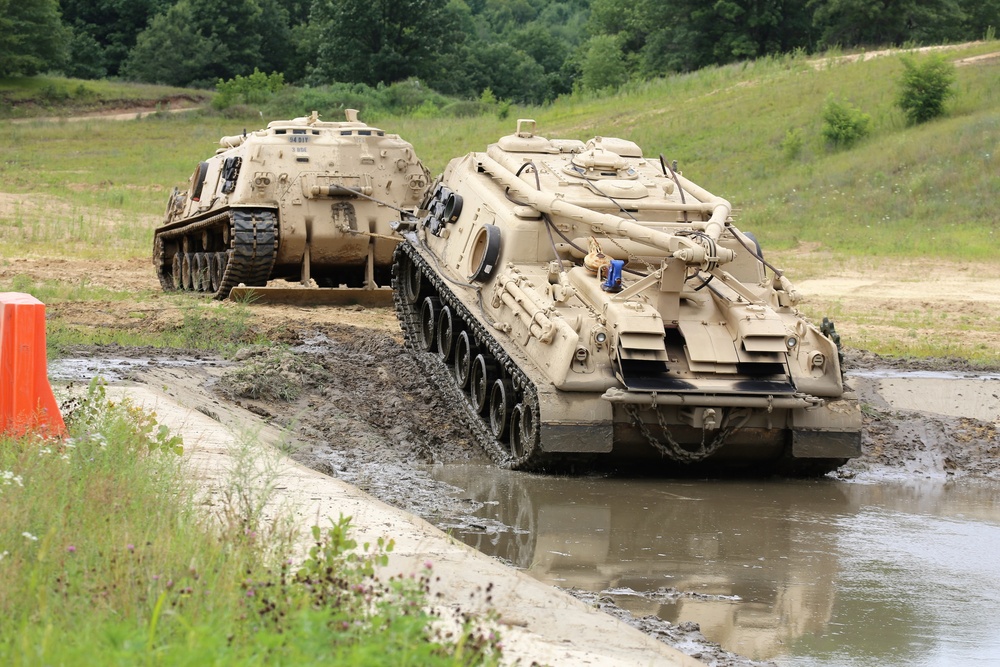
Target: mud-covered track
{"x": 500, "y": 404}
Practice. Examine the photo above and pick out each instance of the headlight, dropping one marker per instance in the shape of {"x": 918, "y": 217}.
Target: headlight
{"x": 600, "y": 335}
{"x": 791, "y": 342}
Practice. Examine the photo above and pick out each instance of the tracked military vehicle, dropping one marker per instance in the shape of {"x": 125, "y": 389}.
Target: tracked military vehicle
{"x": 584, "y": 301}
{"x": 304, "y": 200}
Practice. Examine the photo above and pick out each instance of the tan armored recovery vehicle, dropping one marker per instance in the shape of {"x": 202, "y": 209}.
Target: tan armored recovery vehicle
{"x": 587, "y": 302}
{"x": 303, "y": 200}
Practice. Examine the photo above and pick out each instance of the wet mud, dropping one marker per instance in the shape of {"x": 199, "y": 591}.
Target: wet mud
{"x": 360, "y": 408}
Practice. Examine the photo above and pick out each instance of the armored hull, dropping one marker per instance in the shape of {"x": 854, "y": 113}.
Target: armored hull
{"x": 583, "y": 301}
{"x": 303, "y": 200}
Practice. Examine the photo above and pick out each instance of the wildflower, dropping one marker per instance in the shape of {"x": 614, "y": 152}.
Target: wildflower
{"x": 130, "y": 546}
{"x": 29, "y": 536}
{"x": 4, "y": 554}
{"x": 7, "y": 478}
{"x": 71, "y": 549}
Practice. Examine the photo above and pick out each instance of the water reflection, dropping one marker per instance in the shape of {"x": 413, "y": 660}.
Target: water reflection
{"x": 806, "y": 572}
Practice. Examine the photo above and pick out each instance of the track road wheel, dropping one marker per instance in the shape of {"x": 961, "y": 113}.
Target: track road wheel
{"x": 177, "y": 271}
{"x": 501, "y": 405}
{"x": 414, "y": 283}
{"x": 516, "y": 437}
{"x": 214, "y": 272}
{"x": 527, "y": 430}
{"x": 446, "y": 334}
{"x": 430, "y": 308}
{"x": 465, "y": 353}
{"x": 186, "y": 270}
{"x": 200, "y": 279}
{"x": 483, "y": 372}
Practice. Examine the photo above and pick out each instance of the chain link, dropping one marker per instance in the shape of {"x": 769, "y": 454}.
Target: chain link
{"x": 672, "y": 449}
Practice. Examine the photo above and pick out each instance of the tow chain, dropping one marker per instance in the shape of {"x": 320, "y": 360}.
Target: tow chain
{"x": 673, "y": 450}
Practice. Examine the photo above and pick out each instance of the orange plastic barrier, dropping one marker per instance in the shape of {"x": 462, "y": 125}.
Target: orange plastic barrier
{"x": 26, "y": 400}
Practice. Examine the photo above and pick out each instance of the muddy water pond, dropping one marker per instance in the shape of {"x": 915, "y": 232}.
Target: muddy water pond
{"x": 818, "y": 572}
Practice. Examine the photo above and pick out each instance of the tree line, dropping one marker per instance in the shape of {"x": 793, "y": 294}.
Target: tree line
{"x": 527, "y": 51}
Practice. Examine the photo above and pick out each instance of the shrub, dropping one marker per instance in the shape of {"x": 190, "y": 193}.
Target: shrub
{"x": 791, "y": 145}
{"x": 503, "y": 109}
{"x": 255, "y": 88}
{"x": 925, "y": 87}
{"x": 844, "y": 124}
{"x": 427, "y": 109}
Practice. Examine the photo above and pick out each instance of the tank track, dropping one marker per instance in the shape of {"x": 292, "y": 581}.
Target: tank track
{"x": 406, "y": 258}
{"x": 249, "y": 258}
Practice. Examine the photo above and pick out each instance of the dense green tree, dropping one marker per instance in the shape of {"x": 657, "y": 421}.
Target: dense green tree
{"x": 552, "y": 52}
{"x": 298, "y": 11}
{"x": 979, "y": 16}
{"x": 87, "y": 59}
{"x": 743, "y": 29}
{"x": 198, "y": 42}
{"x": 32, "y": 37}
{"x": 510, "y": 73}
{"x": 169, "y": 51}
{"x": 604, "y": 63}
{"x": 884, "y": 22}
{"x": 566, "y": 19}
{"x": 105, "y": 31}
{"x": 658, "y": 37}
{"x": 504, "y": 15}
{"x": 380, "y": 41}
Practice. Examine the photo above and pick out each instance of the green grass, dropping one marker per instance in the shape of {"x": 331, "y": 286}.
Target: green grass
{"x": 222, "y": 328}
{"x": 219, "y": 328}
{"x": 108, "y": 557}
{"x": 138, "y": 319}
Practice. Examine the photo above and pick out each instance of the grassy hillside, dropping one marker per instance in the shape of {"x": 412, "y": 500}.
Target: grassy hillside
{"x": 914, "y": 191}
